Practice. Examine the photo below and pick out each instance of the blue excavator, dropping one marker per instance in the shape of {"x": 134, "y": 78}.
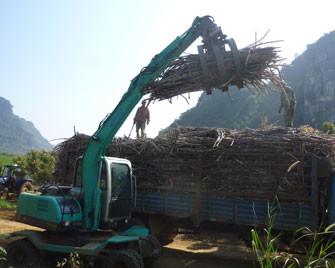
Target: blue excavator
{"x": 93, "y": 217}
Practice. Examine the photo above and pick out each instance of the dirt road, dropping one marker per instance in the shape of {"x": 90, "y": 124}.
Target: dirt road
{"x": 186, "y": 251}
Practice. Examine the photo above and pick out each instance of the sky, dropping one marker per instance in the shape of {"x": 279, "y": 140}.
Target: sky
{"x": 67, "y": 63}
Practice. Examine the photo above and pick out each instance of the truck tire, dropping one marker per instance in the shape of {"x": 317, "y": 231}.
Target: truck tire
{"x": 22, "y": 253}
{"x": 166, "y": 237}
{"x": 26, "y": 187}
{"x": 148, "y": 261}
{"x": 162, "y": 228}
{"x": 126, "y": 258}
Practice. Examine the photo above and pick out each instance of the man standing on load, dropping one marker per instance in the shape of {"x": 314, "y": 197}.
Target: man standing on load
{"x": 141, "y": 118}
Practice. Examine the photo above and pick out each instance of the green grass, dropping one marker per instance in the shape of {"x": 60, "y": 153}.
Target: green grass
{"x": 319, "y": 247}
{"x": 6, "y": 159}
{"x": 4, "y": 204}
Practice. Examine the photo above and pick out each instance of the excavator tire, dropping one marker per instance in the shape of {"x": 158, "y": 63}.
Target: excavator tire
{"x": 26, "y": 187}
{"x": 126, "y": 258}
{"x": 22, "y": 253}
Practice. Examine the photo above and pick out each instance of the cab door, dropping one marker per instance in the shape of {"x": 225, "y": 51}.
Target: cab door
{"x": 121, "y": 191}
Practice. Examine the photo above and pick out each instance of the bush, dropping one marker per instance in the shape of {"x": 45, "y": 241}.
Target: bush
{"x": 329, "y": 127}
{"x": 39, "y": 165}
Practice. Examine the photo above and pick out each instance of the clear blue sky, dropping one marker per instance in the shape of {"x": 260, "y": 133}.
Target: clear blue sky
{"x": 68, "y": 62}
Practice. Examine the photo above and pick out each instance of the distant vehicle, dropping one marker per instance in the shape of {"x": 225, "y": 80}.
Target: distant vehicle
{"x": 11, "y": 183}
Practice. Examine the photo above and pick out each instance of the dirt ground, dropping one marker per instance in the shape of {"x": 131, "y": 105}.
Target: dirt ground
{"x": 9, "y": 225}
{"x": 210, "y": 250}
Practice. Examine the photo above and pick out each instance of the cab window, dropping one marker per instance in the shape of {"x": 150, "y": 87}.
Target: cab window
{"x": 120, "y": 181}
{"x": 103, "y": 177}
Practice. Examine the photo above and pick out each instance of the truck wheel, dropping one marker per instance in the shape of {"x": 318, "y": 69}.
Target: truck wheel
{"x": 127, "y": 258}
{"x": 166, "y": 237}
{"x": 148, "y": 261}
{"x": 162, "y": 228}
{"x": 21, "y": 253}
{"x": 26, "y": 187}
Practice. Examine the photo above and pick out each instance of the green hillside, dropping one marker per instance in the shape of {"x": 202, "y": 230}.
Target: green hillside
{"x": 312, "y": 77}
{"x": 18, "y": 135}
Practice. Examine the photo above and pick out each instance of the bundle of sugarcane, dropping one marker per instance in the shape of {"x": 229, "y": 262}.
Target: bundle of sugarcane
{"x": 67, "y": 153}
{"x": 258, "y": 164}
{"x": 258, "y": 65}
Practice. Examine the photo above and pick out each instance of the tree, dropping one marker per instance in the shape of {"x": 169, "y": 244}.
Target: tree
{"x": 39, "y": 165}
{"x": 329, "y": 127}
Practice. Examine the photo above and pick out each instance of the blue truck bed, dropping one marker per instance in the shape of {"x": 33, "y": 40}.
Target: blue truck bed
{"x": 209, "y": 207}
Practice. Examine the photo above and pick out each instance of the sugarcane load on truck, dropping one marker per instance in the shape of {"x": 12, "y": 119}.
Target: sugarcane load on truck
{"x": 93, "y": 216}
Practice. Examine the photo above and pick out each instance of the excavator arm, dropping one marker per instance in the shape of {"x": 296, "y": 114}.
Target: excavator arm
{"x": 211, "y": 35}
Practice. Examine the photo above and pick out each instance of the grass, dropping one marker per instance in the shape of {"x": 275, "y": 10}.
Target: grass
{"x": 319, "y": 247}
{"x": 6, "y": 159}
{"x": 4, "y": 204}
{"x": 263, "y": 242}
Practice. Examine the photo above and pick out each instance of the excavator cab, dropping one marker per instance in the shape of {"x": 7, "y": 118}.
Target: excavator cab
{"x": 118, "y": 190}
{"x": 117, "y": 186}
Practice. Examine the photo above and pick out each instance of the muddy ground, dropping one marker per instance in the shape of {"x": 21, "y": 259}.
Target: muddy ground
{"x": 205, "y": 249}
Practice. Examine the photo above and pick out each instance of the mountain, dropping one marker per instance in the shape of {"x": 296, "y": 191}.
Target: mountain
{"x": 18, "y": 135}
{"x": 312, "y": 77}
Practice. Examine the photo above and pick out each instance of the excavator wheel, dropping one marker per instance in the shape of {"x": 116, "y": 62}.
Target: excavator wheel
{"x": 22, "y": 253}
{"x": 126, "y": 258}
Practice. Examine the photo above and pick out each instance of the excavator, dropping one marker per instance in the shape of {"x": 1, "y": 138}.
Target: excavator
{"x": 93, "y": 216}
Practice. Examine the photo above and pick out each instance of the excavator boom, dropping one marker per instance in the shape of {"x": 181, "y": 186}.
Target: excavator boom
{"x": 201, "y": 26}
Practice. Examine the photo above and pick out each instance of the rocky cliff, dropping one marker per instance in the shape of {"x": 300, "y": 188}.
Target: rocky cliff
{"x": 18, "y": 135}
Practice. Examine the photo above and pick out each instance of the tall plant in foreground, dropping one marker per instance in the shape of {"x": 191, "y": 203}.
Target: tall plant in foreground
{"x": 319, "y": 248}
{"x": 263, "y": 243}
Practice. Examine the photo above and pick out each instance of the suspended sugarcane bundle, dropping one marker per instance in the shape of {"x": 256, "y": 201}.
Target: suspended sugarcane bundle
{"x": 258, "y": 164}
{"x": 253, "y": 67}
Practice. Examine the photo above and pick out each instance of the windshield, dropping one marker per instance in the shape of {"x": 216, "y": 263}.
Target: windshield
{"x": 6, "y": 172}
{"x": 120, "y": 181}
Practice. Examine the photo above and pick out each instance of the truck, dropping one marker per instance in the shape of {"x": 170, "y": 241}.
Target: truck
{"x": 93, "y": 217}
{"x": 166, "y": 210}
{"x": 245, "y": 178}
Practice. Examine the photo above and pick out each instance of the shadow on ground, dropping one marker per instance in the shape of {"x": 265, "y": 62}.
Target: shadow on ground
{"x": 172, "y": 258}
